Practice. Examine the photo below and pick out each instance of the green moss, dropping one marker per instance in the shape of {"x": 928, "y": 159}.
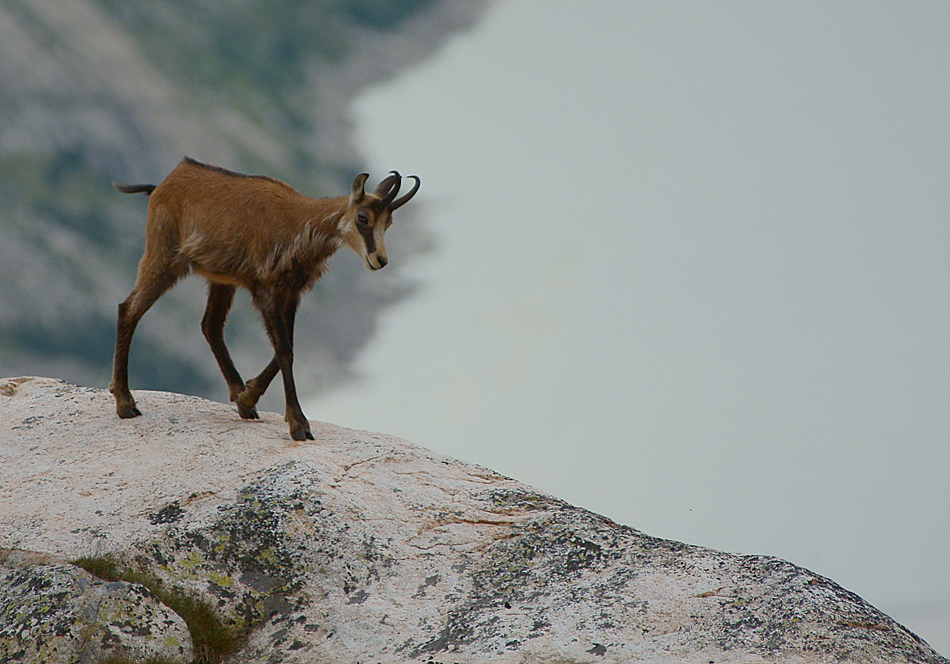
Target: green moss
{"x": 103, "y": 567}
{"x": 192, "y": 560}
{"x": 220, "y": 580}
{"x": 241, "y": 562}
{"x": 213, "y": 641}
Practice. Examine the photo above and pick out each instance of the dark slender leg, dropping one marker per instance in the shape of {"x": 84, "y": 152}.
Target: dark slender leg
{"x": 275, "y": 321}
{"x": 124, "y": 402}
{"x": 256, "y": 387}
{"x": 220, "y": 297}
{"x": 142, "y": 297}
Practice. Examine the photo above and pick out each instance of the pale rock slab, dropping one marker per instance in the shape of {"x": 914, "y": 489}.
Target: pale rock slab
{"x": 360, "y": 547}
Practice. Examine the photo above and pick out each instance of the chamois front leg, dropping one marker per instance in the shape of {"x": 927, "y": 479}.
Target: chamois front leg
{"x": 220, "y": 297}
{"x": 275, "y": 321}
{"x": 255, "y": 387}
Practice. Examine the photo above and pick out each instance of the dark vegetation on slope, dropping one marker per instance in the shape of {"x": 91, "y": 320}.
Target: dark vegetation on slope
{"x": 121, "y": 90}
{"x": 213, "y": 640}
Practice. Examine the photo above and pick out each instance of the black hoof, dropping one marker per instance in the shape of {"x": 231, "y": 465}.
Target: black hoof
{"x": 128, "y": 412}
{"x": 248, "y": 413}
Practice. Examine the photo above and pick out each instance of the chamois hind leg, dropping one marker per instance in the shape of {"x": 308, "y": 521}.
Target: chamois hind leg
{"x": 276, "y": 323}
{"x": 256, "y": 387}
{"x": 220, "y": 297}
{"x": 150, "y": 285}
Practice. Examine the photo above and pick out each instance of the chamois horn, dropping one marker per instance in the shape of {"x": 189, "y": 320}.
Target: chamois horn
{"x": 404, "y": 199}
{"x": 388, "y": 189}
{"x": 387, "y": 183}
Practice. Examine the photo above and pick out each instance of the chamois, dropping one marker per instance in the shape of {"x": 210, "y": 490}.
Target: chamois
{"x": 258, "y": 233}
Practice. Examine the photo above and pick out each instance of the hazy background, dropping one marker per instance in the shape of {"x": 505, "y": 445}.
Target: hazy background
{"x": 98, "y": 91}
{"x": 691, "y": 272}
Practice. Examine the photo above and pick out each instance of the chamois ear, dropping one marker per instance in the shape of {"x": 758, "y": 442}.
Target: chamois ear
{"x": 357, "y": 192}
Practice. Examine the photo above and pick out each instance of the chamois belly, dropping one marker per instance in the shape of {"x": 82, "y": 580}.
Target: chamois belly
{"x": 218, "y": 277}
{"x": 223, "y": 262}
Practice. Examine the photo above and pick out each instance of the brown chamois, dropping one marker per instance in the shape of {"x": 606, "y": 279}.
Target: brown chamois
{"x": 255, "y": 232}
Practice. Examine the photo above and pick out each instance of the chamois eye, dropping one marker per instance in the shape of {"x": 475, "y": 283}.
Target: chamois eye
{"x": 362, "y": 218}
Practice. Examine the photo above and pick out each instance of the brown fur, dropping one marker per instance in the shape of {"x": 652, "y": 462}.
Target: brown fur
{"x": 257, "y": 233}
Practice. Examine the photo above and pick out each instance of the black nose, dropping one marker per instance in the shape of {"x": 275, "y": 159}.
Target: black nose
{"x": 382, "y": 261}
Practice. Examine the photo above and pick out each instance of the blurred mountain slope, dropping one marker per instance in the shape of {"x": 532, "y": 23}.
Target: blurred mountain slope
{"x": 95, "y": 91}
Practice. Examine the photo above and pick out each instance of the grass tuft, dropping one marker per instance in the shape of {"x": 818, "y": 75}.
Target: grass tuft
{"x": 213, "y": 641}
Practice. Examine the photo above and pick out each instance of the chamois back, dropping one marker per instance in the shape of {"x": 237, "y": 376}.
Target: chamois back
{"x": 241, "y": 229}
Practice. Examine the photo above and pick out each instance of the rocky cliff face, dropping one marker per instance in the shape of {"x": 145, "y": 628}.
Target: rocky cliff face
{"x": 95, "y": 91}
{"x": 356, "y": 547}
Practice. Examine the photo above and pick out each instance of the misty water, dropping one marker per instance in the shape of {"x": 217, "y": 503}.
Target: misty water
{"x": 690, "y": 271}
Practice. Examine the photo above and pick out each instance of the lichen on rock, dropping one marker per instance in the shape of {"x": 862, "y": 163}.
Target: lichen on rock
{"x": 60, "y": 613}
{"x": 363, "y": 547}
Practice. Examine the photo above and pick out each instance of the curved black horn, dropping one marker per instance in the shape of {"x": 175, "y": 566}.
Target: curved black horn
{"x": 393, "y": 181}
{"x": 405, "y": 199}
{"x": 386, "y": 184}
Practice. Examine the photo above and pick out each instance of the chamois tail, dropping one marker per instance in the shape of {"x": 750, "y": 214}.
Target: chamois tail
{"x": 146, "y": 189}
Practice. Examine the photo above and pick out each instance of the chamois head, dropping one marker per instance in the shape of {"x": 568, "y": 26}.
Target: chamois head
{"x": 368, "y": 216}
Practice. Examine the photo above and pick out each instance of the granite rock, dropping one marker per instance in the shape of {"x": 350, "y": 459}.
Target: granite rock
{"x": 360, "y": 547}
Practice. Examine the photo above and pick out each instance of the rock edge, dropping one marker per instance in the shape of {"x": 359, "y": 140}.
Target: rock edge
{"x": 364, "y": 547}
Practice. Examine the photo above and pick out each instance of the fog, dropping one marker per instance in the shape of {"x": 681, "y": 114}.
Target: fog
{"x": 690, "y": 271}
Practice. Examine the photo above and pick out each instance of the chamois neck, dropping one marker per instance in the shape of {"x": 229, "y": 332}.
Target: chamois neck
{"x": 327, "y": 215}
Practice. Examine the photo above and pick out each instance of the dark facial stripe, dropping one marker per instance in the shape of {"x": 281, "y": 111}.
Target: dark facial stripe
{"x": 367, "y": 232}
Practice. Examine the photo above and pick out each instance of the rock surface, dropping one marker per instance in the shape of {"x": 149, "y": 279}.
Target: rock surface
{"x": 360, "y": 547}
{"x": 60, "y": 613}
